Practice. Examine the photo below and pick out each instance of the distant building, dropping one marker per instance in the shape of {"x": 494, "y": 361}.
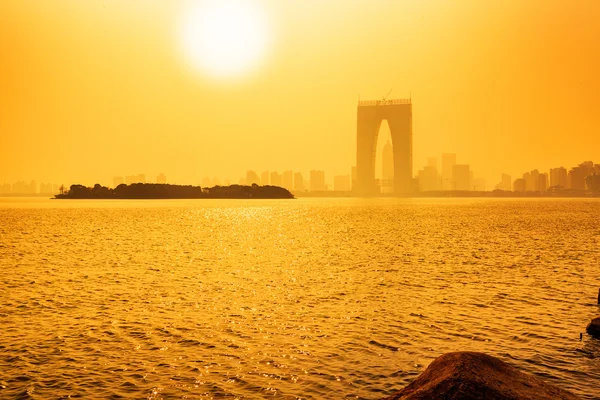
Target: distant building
{"x": 577, "y": 175}
{"x": 20, "y": 187}
{"x": 276, "y": 179}
{"x": 519, "y": 185}
{"x": 46, "y": 188}
{"x": 288, "y": 180}
{"x": 387, "y": 168}
{"x": 387, "y": 161}
{"x": 429, "y": 179}
{"x": 461, "y": 177}
{"x": 505, "y": 183}
{"x": 141, "y": 178}
{"x": 448, "y": 163}
{"x": 32, "y": 187}
{"x": 206, "y": 182}
{"x": 543, "y": 182}
{"x": 161, "y": 178}
{"x": 341, "y": 183}
{"x": 131, "y": 179}
{"x": 252, "y": 178}
{"x": 558, "y": 178}
{"x": 527, "y": 179}
{"x": 532, "y": 181}
{"x": 264, "y": 178}
{"x": 117, "y": 180}
{"x": 298, "y": 182}
{"x": 317, "y": 181}
{"x": 216, "y": 181}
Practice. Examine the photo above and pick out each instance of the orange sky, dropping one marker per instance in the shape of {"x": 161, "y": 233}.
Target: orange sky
{"x": 97, "y": 88}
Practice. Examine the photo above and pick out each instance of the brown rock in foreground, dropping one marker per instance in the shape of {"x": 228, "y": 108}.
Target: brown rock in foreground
{"x": 593, "y": 327}
{"x": 475, "y": 376}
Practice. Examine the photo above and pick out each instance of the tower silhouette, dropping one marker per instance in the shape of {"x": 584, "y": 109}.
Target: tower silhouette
{"x": 370, "y": 114}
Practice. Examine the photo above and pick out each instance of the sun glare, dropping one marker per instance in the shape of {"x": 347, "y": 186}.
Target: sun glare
{"x": 225, "y": 38}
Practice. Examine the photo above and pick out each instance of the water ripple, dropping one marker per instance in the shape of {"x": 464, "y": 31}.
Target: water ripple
{"x": 301, "y": 299}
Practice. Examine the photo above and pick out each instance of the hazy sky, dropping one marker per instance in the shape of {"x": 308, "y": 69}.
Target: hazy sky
{"x": 97, "y": 88}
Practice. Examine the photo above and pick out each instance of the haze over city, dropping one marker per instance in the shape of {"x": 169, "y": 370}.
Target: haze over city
{"x": 96, "y": 89}
{"x": 316, "y": 199}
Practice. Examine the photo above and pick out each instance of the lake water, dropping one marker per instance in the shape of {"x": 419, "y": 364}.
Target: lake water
{"x": 306, "y": 298}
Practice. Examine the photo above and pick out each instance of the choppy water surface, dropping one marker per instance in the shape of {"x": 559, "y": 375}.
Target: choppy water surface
{"x": 292, "y": 299}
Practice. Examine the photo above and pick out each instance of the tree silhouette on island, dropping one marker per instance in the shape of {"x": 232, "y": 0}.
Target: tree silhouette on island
{"x": 167, "y": 191}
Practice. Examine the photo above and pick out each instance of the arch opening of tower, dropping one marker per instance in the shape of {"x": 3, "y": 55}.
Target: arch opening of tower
{"x": 384, "y": 159}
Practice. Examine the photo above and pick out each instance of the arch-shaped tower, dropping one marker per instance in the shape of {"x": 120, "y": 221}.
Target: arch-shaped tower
{"x": 370, "y": 114}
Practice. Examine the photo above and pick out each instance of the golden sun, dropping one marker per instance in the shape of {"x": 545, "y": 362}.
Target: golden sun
{"x": 225, "y": 38}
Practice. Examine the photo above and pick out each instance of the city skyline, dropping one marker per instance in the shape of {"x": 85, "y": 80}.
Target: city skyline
{"x": 451, "y": 177}
{"x": 142, "y": 104}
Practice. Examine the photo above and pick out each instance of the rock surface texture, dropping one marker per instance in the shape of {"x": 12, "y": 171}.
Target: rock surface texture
{"x": 593, "y": 327}
{"x": 475, "y": 376}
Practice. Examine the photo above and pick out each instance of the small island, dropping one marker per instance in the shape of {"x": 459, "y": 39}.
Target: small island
{"x": 167, "y": 191}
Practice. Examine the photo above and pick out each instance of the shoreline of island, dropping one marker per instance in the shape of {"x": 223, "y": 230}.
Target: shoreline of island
{"x": 165, "y": 191}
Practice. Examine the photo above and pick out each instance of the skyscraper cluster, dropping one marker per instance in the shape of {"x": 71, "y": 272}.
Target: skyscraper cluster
{"x": 453, "y": 176}
{"x": 296, "y": 182}
{"x": 558, "y": 179}
{"x": 31, "y": 188}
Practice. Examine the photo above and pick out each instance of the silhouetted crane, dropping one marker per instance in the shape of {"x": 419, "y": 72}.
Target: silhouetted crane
{"x": 386, "y": 96}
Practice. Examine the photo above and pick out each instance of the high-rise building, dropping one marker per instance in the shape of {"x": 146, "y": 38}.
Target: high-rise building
{"x": 46, "y": 188}
{"x": 558, "y": 178}
{"x": 264, "y": 178}
{"x": 317, "y": 181}
{"x": 216, "y": 181}
{"x": 461, "y": 177}
{"x": 448, "y": 163}
{"x": 543, "y": 182}
{"x": 252, "y": 178}
{"x": 386, "y": 183}
{"x": 206, "y": 182}
{"x": 577, "y": 175}
{"x": 288, "y": 180}
{"x": 276, "y": 179}
{"x": 429, "y": 179}
{"x": 341, "y": 183}
{"x": 505, "y": 183}
{"x": 20, "y": 188}
{"x": 532, "y": 180}
{"x": 520, "y": 185}
{"x": 161, "y": 178}
{"x": 387, "y": 162}
{"x": 370, "y": 114}
{"x": 298, "y": 182}
{"x": 117, "y": 180}
{"x": 141, "y": 178}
